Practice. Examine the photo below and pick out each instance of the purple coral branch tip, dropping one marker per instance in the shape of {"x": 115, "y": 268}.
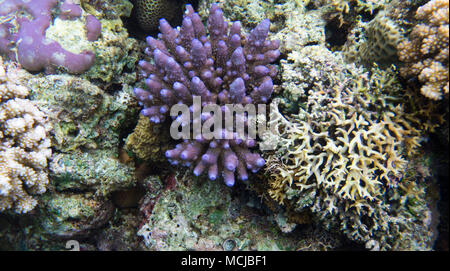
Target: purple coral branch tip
{"x": 260, "y": 162}
{"x": 212, "y": 177}
{"x": 229, "y": 182}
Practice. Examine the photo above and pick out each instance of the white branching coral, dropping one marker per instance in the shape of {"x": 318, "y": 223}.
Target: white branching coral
{"x": 24, "y": 148}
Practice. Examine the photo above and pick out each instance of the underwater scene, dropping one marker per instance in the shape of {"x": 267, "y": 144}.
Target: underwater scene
{"x": 224, "y": 125}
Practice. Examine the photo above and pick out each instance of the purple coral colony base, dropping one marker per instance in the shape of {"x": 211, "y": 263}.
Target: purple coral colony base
{"x": 224, "y": 67}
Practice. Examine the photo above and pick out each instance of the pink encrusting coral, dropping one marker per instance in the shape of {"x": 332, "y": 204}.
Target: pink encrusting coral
{"x": 225, "y": 67}
{"x": 93, "y": 28}
{"x": 22, "y": 35}
{"x": 69, "y": 11}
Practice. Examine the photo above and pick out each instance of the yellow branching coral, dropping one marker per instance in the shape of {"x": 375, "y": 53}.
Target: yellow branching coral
{"x": 426, "y": 52}
{"x": 343, "y": 157}
{"x": 24, "y": 147}
{"x": 346, "y": 150}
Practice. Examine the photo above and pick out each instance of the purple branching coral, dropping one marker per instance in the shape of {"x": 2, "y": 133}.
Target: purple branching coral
{"x": 226, "y": 68}
{"x": 22, "y": 35}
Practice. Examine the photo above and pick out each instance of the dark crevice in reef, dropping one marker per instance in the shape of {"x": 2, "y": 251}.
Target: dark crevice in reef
{"x": 438, "y": 146}
{"x": 336, "y": 34}
{"x": 311, "y": 5}
{"x": 366, "y": 16}
{"x": 441, "y": 243}
{"x": 349, "y": 245}
{"x": 112, "y": 88}
{"x": 126, "y": 129}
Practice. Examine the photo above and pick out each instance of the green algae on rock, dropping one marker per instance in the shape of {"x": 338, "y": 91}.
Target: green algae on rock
{"x": 203, "y": 216}
{"x": 96, "y": 171}
{"x": 82, "y": 113}
{"x": 107, "y": 9}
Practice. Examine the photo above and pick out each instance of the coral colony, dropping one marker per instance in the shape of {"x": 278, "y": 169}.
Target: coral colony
{"x": 224, "y": 68}
{"x": 425, "y": 53}
{"x": 24, "y": 146}
{"x": 25, "y": 40}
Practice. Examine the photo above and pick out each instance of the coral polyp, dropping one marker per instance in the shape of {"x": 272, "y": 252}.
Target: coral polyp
{"x": 224, "y": 67}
